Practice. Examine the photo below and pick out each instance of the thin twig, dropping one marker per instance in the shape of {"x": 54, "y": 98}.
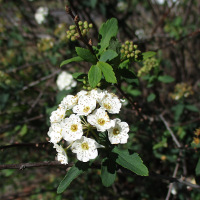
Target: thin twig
{"x": 170, "y": 131}
{"x": 171, "y": 184}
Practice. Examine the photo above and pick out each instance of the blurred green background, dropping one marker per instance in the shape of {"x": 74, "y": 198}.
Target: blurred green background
{"x": 32, "y": 46}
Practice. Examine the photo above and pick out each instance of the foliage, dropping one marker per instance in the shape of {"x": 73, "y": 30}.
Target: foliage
{"x": 31, "y": 54}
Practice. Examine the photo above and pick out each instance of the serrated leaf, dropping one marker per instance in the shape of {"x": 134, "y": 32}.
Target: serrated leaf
{"x": 107, "y": 72}
{"x": 192, "y": 108}
{"x": 132, "y": 162}
{"x": 108, "y": 172}
{"x": 108, "y": 55}
{"x": 148, "y": 54}
{"x": 108, "y": 30}
{"x": 74, "y": 59}
{"x": 197, "y": 169}
{"x": 94, "y": 75}
{"x": 166, "y": 79}
{"x": 151, "y": 97}
{"x": 86, "y": 55}
{"x": 73, "y": 173}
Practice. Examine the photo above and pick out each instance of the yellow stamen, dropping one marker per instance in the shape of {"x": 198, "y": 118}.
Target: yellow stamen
{"x": 101, "y": 121}
{"x": 74, "y": 127}
{"x": 85, "y": 146}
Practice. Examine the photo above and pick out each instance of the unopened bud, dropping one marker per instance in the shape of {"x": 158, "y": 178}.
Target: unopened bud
{"x": 72, "y": 27}
{"x": 73, "y": 38}
{"x": 80, "y": 23}
{"x": 90, "y": 25}
{"x": 135, "y": 46}
{"x": 127, "y": 42}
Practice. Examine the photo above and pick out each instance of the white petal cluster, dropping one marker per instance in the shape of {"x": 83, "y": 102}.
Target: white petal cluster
{"x": 65, "y": 81}
{"x": 85, "y": 148}
{"x": 41, "y": 14}
{"x": 72, "y": 128}
{"x": 61, "y": 156}
{"x": 82, "y": 116}
{"x": 119, "y": 132}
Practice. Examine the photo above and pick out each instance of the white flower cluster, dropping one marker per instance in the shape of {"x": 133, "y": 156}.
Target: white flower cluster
{"x": 65, "y": 81}
{"x": 89, "y": 115}
{"x": 41, "y": 14}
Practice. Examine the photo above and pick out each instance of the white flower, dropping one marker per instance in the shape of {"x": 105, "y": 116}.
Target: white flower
{"x": 98, "y": 94}
{"x": 100, "y": 119}
{"x": 65, "y": 81}
{"x": 118, "y": 133}
{"x": 86, "y": 149}
{"x": 40, "y": 14}
{"x": 72, "y": 128}
{"x": 57, "y": 115}
{"x": 86, "y": 104}
{"x": 55, "y": 133}
{"x": 111, "y": 103}
{"x": 82, "y": 93}
{"x": 69, "y": 102}
{"x": 61, "y": 156}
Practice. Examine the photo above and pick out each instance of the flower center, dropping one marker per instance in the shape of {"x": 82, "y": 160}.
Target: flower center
{"x": 107, "y": 106}
{"x": 101, "y": 121}
{"x": 86, "y": 109}
{"x": 85, "y": 146}
{"x": 116, "y": 131}
{"x": 74, "y": 127}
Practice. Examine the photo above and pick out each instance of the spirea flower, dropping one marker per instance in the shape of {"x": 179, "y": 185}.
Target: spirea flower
{"x": 119, "y": 132}
{"x": 57, "y": 115}
{"x": 111, "y": 103}
{"x": 41, "y": 14}
{"x": 100, "y": 119}
{"x": 61, "y": 156}
{"x": 72, "y": 128}
{"x": 85, "y": 149}
{"x": 55, "y": 132}
{"x": 86, "y": 104}
{"x": 79, "y": 118}
{"x": 65, "y": 81}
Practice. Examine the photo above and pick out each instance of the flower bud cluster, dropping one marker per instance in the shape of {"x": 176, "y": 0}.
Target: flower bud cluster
{"x": 196, "y": 139}
{"x": 79, "y": 119}
{"x": 84, "y": 27}
{"x": 130, "y": 50}
{"x": 149, "y": 64}
{"x": 182, "y": 90}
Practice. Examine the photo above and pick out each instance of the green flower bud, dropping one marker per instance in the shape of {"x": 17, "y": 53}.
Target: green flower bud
{"x": 132, "y": 55}
{"x": 73, "y": 38}
{"x": 84, "y": 32}
{"x": 127, "y": 42}
{"x": 73, "y": 31}
{"x": 126, "y": 47}
{"x": 84, "y": 82}
{"x": 130, "y": 49}
{"x": 135, "y": 46}
{"x": 123, "y": 46}
{"x": 85, "y": 26}
{"x": 128, "y": 56}
{"x": 80, "y": 23}
{"x": 126, "y": 52}
{"x": 89, "y": 88}
{"x": 122, "y": 50}
{"x": 72, "y": 27}
{"x": 68, "y": 36}
{"x": 99, "y": 84}
{"x": 90, "y": 25}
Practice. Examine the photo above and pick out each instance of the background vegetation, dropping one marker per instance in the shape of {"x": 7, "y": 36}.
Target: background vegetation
{"x": 163, "y": 120}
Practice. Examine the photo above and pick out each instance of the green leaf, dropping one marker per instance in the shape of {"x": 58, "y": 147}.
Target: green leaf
{"x": 178, "y": 110}
{"x": 108, "y": 30}
{"x": 131, "y": 161}
{"x": 108, "y": 55}
{"x": 124, "y": 64}
{"x": 151, "y": 97}
{"x": 74, "y": 59}
{"x": 79, "y": 76}
{"x": 192, "y": 108}
{"x": 74, "y": 172}
{"x": 108, "y": 172}
{"x": 94, "y": 75}
{"x": 86, "y": 55}
{"x": 107, "y": 72}
{"x": 197, "y": 169}
{"x": 135, "y": 92}
{"x": 166, "y": 79}
{"x": 148, "y": 54}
